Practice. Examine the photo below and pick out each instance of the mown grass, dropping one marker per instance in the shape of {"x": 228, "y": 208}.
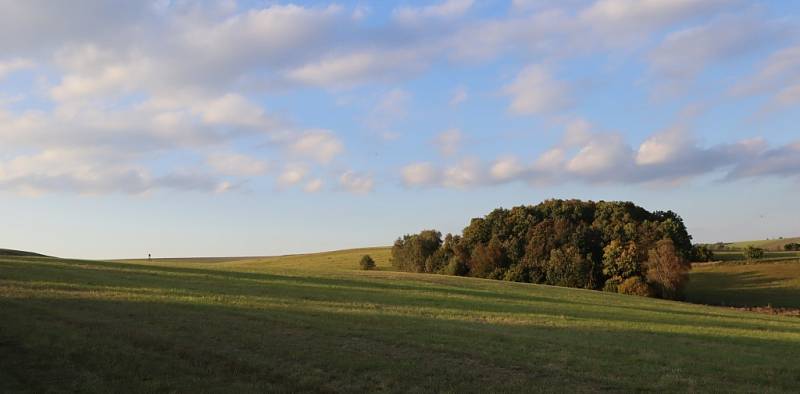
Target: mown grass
{"x": 757, "y": 284}
{"x": 315, "y": 323}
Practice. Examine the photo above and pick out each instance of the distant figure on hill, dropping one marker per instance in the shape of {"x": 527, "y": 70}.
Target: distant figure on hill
{"x": 149, "y": 258}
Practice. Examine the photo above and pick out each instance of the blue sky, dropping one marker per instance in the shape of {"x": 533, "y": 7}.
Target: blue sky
{"x": 183, "y": 128}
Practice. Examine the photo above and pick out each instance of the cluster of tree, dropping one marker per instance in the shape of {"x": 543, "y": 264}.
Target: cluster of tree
{"x": 702, "y": 253}
{"x": 616, "y": 246}
{"x": 754, "y": 253}
{"x": 791, "y": 247}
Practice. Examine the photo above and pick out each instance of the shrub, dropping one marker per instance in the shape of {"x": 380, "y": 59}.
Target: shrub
{"x": 456, "y": 267}
{"x": 791, "y": 247}
{"x": 612, "y": 285}
{"x": 367, "y": 263}
{"x": 635, "y": 285}
{"x": 753, "y": 253}
{"x": 702, "y": 253}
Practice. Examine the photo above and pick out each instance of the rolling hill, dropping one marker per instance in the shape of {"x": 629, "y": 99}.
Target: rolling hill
{"x": 312, "y": 323}
{"x": 19, "y": 253}
{"x": 768, "y": 244}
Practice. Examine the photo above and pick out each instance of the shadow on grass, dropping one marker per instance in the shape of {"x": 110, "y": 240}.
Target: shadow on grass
{"x": 743, "y": 289}
{"x": 104, "y": 345}
{"x": 386, "y": 294}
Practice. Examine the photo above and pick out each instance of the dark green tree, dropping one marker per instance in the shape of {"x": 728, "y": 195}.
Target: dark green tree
{"x": 366, "y": 263}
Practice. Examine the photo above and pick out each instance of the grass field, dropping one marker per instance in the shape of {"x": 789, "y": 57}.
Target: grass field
{"x": 768, "y": 244}
{"x": 768, "y": 256}
{"x": 746, "y": 285}
{"x": 316, "y": 324}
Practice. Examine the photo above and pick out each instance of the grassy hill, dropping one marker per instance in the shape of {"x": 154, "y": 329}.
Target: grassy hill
{"x": 315, "y": 323}
{"x": 768, "y": 244}
{"x": 746, "y": 285}
{"x": 20, "y": 253}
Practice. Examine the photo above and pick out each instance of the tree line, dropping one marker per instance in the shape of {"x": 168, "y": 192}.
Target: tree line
{"x": 612, "y": 246}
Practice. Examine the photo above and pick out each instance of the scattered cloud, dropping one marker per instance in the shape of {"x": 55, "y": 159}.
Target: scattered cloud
{"x": 723, "y": 39}
{"x": 10, "y": 66}
{"x": 445, "y": 10}
{"x": 313, "y": 186}
{"x": 292, "y": 174}
{"x": 778, "y": 77}
{"x": 460, "y": 95}
{"x": 535, "y": 92}
{"x": 356, "y": 183}
{"x": 320, "y": 145}
{"x": 420, "y": 174}
{"x": 449, "y": 141}
{"x": 235, "y": 164}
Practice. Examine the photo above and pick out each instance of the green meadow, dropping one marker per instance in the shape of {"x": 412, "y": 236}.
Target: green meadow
{"x": 755, "y": 284}
{"x": 315, "y": 323}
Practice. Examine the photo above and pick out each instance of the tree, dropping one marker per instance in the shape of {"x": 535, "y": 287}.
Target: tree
{"x": 753, "y": 253}
{"x": 411, "y": 252}
{"x": 367, "y": 263}
{"x": 594, "y": 245}
{"x": 621, "y": 261}
{"x": 702, "y": 253}
{"x": 667, "y": 271}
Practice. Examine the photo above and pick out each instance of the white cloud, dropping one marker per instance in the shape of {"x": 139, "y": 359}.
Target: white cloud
{"x": 605, "y": 157}
{"x": 466, "y": 173}
{"x": 721, "y": 40}
{"x": 320, "y": 145}
{"x": 235, "y": 164}
{"x": 313, "y": 186}
{"x": 419, "y": 174}
{"x": 233, "y": 109}
{"x": 449, "y": 141}
{"x": 444, "y": 10}
{"x": 351, "y": 69}
{"x": 8, "y": 67}
{"x": 83, "y": 172}
{"x": 643, "y": 16}
{"x": 778, "y": 76}
{"x": 506, "y": 169}
{"x": 535, "y": 91}
{"x": 356, "y": 183}
{"x": 292, "y": 174}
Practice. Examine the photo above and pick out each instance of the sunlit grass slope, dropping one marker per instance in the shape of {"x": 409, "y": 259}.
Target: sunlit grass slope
{"x": 315, "y": 323}
{"x": 747, "y": 285}
{"x": 769, "y": 244}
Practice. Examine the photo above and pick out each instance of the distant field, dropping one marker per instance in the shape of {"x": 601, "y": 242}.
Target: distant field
{"x": 769, "y": 244}
{"x": 739, "y": 256}
{"x": 314, "y": 323}
{"x": 760, "y": 284}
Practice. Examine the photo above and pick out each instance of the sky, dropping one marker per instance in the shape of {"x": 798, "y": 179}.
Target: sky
{"x": 238, "y": 128}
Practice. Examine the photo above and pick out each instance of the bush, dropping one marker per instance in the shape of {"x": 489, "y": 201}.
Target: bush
{"x": 612, "y": 285}
{"x": 702, "y": 254}
{"x": 753, "y": 253}
{"x": 367, "y": 263}
{"x": 635, "y": 285}
{"x": 456, "y": 267}
{"x": 791, "y": 247}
